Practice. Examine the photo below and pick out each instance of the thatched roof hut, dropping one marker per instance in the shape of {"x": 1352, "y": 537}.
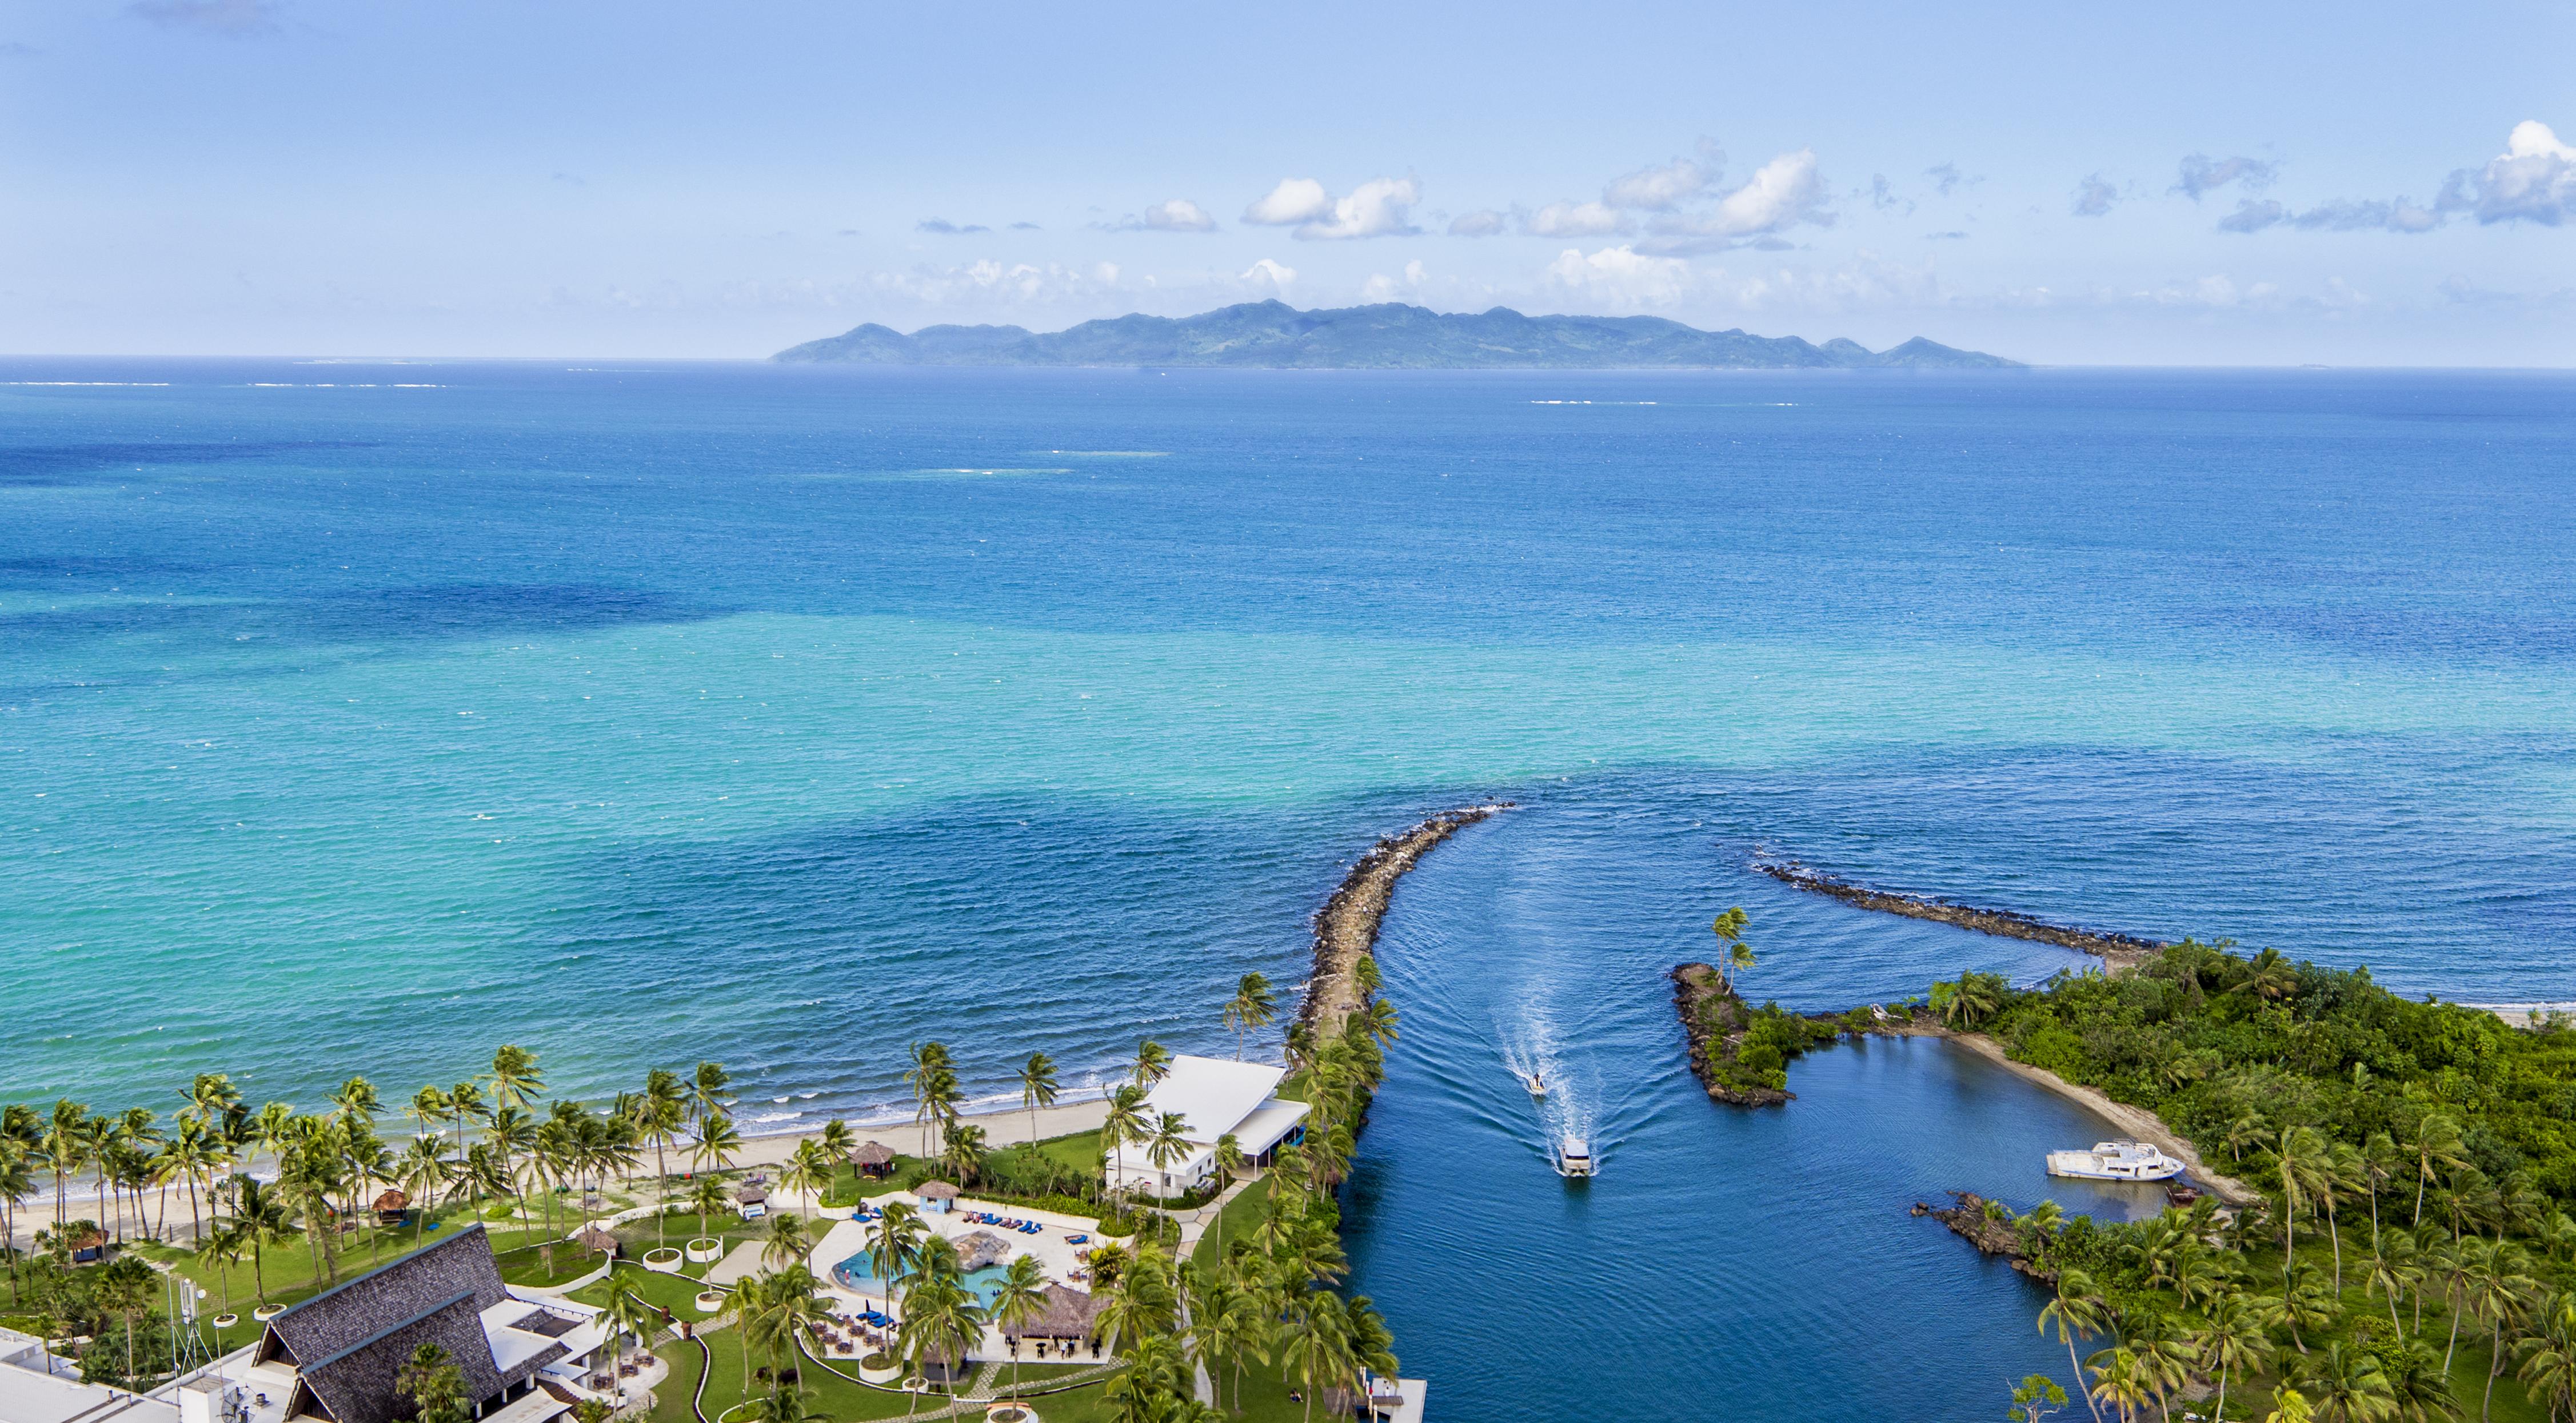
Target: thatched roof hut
{"x": 935, "y": 1191}
{"x": 751, "y": 1195}
{"x": 1068, "y": 1315}
{"x": 874, "y": 1159}
{"x": 392, "y": 1201}
{"x": 978, "y": 1249}
{"x": 591, "y": 1237}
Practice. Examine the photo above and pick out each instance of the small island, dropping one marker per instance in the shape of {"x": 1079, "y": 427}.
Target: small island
{"x": 1390, "y": 336}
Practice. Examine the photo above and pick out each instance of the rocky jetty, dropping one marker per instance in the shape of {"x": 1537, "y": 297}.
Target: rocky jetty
{"x": 1346, "y": 927}
{"x": 1714, "y": 1020}
{"x": 2118, "y": 952}
{"x": 1990, "y": 1233}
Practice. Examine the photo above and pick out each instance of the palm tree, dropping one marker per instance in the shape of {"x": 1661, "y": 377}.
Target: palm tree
{"x": 2232, "y": 1342}
{"x": 2421, "y": 1389}
{"x": 2393, "y": 1271}
{"x": 1232, "y": 1324}
{"x": 1153, "y": 1063}
{"x": 1018, "y": 1297}
{"x": 2120, "y": 1379}
{"x": 516, "y": 1079}
{"x": 2268, "y": 976}
{"x": 218, "y": 1250}
{"x": 942, "y": 1319}
{"x": 2339, "y": 1170}
{"x": 1374, "y": 1023}
{"x": 627, "y": 1311}
{"x": 706, "y": 1196}
{"x": 1167, "y": 1144}
{"x": 2079, "y": 1311}
{"x": 193, "y": 1156}
{"x": 930, "y": 1062}
{"x": 784, "y": 1405}
{"x": 837, "y": 1141}
{"x": 2346, "y": 1385}
{"x": 718, "y": 1143}
{"x": 808, "y": 1170}
{"x": 2437, "y": 1149}
{"x": 786, "y": 1242}
{"x": 2546, "y": 1357}
{"x": 1230, "y": 1160}
{"x": 2496, "y": 1287}
{"x": 1315, "y": 1344}
{"x": 262, "y": 1218}
{"x": 66, "y": 1150}
{"x": 2301, "y": 1162}
{"x": 707, "y": 1092}
{"x": 1125, "y": 1123}
{"x": 1971, "y": 1000}
{"x": 1253, "y": 1005}
{"x": 788, "y": 1307}
{"x": 1037, "y": 1088}
{"x": 2380, "y": 1163}
{"x": 1733, "y": 954}
{"x": 895, "y": 1245}
{"x": 466, "y": 1103}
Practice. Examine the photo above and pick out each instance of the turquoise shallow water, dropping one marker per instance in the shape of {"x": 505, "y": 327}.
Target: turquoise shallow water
{"x": 363, "y": 717}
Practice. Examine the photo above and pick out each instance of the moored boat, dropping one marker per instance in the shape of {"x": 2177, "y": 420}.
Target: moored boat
{"x": 2115, "y": 1161}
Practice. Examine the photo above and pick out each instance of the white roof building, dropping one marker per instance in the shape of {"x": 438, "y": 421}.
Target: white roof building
{"x": 1214, "y": 1097}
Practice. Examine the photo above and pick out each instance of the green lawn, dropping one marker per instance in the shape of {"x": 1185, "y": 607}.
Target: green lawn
{"x": 1237, "y": 1219}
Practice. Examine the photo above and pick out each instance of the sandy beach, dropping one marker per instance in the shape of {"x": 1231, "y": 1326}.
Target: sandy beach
{"x": 2138, "y": 1122}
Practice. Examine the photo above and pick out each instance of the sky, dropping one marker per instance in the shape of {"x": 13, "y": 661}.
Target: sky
{"x": 2358, "y": 183}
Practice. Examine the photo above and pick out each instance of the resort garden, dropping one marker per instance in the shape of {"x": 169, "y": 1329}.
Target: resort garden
{"x": 632, "y": 1203}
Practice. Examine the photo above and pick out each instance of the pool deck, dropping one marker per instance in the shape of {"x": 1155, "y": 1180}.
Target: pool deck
{"x": 849, "y": 1237}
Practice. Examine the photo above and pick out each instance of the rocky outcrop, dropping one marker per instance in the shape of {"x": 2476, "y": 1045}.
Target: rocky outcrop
{"x": 2118, "y": 952}
{"x": 1713, "y": 1022}
{"x": 1969, "y": 1218}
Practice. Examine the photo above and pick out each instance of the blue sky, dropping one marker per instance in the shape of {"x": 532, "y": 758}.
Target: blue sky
{"x": 2219, "y": 184}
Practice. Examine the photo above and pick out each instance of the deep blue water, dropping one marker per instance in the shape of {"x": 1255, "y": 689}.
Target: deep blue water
{"x": 360, "y": 717}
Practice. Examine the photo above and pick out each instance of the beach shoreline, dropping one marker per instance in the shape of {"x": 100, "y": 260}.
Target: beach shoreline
{"x": 2137, "y": 1122}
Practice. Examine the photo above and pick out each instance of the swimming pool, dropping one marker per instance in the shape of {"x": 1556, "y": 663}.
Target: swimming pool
{"x": 859, "y": 1273}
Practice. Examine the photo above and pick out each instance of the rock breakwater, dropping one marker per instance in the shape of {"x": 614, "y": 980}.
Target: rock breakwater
{"x": 1346, "y": 927}
{"x": 2118, "y": 952}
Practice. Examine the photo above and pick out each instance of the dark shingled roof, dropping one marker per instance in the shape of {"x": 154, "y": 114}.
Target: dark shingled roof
{"x": 348, "y": 1344}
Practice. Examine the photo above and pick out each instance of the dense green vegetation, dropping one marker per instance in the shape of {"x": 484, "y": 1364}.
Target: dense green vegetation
{"x": 2412, "y": 1256}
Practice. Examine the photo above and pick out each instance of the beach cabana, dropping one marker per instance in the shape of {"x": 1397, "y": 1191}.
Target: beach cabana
{"x": 751, "y": 1200}
{"x": 874, "y": 1160}
{"x": 392, "y": 1208}
{"x": 1067, "y": 1318}
{"x": 936, "y": 1195}
{"x": 592, "y": 1238}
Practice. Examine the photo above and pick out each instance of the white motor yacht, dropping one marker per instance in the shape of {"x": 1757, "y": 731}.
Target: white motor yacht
{"x": 1573, "y": 1158}
{"x": 2115, "y": 1161}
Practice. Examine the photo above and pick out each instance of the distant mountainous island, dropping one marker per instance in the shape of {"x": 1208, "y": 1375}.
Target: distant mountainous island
{"x": 1390, "y": 336}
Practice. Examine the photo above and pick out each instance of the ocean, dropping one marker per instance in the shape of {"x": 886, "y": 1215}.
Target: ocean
{"x": 361, "y": 717}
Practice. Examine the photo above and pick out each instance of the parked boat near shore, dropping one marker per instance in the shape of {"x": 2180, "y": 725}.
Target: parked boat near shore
{"x": 2115, "y": 1161}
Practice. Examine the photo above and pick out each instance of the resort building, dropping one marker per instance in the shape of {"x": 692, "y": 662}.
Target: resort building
{"x": 525, "y": 1357}
{"x": 37, "y": 1387}
{"x": 1214, "y": 1097}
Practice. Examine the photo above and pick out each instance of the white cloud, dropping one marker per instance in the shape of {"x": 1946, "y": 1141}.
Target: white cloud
{"x": 1178, "y": 215}
{"x": 1484, "y": 223}
{"x": 2533, "y": 180}
{"x": 1782, "y": 194}
{"x": 2403, "y": 215}
{"x": 1294, "y": 200}
{"x": 1380, "y": 207}
{"x": 1662, "y": 189}
{"x": 1266, "y": 273}
{"x": 1621, "y": 277}
{"x": 2201, "y": 173}
{"x": 2094, "y": 196}
{"x": 1573, "y": 220}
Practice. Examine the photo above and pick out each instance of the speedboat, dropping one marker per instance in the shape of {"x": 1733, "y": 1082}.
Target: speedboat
{"x": 1573, "y": 1158}
{"x": 2115, "y": 1161}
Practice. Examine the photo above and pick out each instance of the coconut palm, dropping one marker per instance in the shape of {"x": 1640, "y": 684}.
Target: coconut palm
{"x": 2545, "y": 1358}
{"x": 1018, "y": 1297}
{"x": 218, "y": 1250}
{"x": 837, "y": 1141}
{"x": 2121, "y": 1381}
{"x": 2078, "y": 1312}
{"x": 262, "y": 1217}
{"x": 1374, "y": 1023}
{"x": 1314, "y": 1344}
{"x": 1037, "y": 1088}
{"x": 1230, "y": 1160}
{"x": 1233, "y": 1323}
{"x": 707, "y": 1195}
{"x": 2231, "y": 1342}
{"x": 930, "y": 1064}
{"x": 2496, "y": 1288}
{"x": 962, "y": 1151}
{"x": 627, "y": 1311}
{"x": 709, "y": 1092}
{"x": 808, "y": 1170}
{"x": 942, "y": 1319}
{"x": 784, "y": 1405}
{"x": 2345, "y": 1384}
{"x": 895, "y": 1245}
{"x": 2394, "y": 1271}
{"x": 2307, "y": 1305}
{"x": 1253, "y": 1005}
{"x": 2268, "y": 976}
{"x": 718, "y": 1142}
{"x": 1124, "y": 1123}
{"x": 1153, "y": 1063}
{"x": 1733, "y": 954}
{"x": 466, "y": 1105}
{"x": 1167, "y": 1143}
{"x": 2381, "y": 1162}
{"x": 2301, "y": 1159}
{"x": 1970, "y": 1000}
{"x": 786, "y": 1241}
{"x": 2422, "y": 1391}
{"x": 785, "y": 1311}
{"x": 2436, "y": 1149}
